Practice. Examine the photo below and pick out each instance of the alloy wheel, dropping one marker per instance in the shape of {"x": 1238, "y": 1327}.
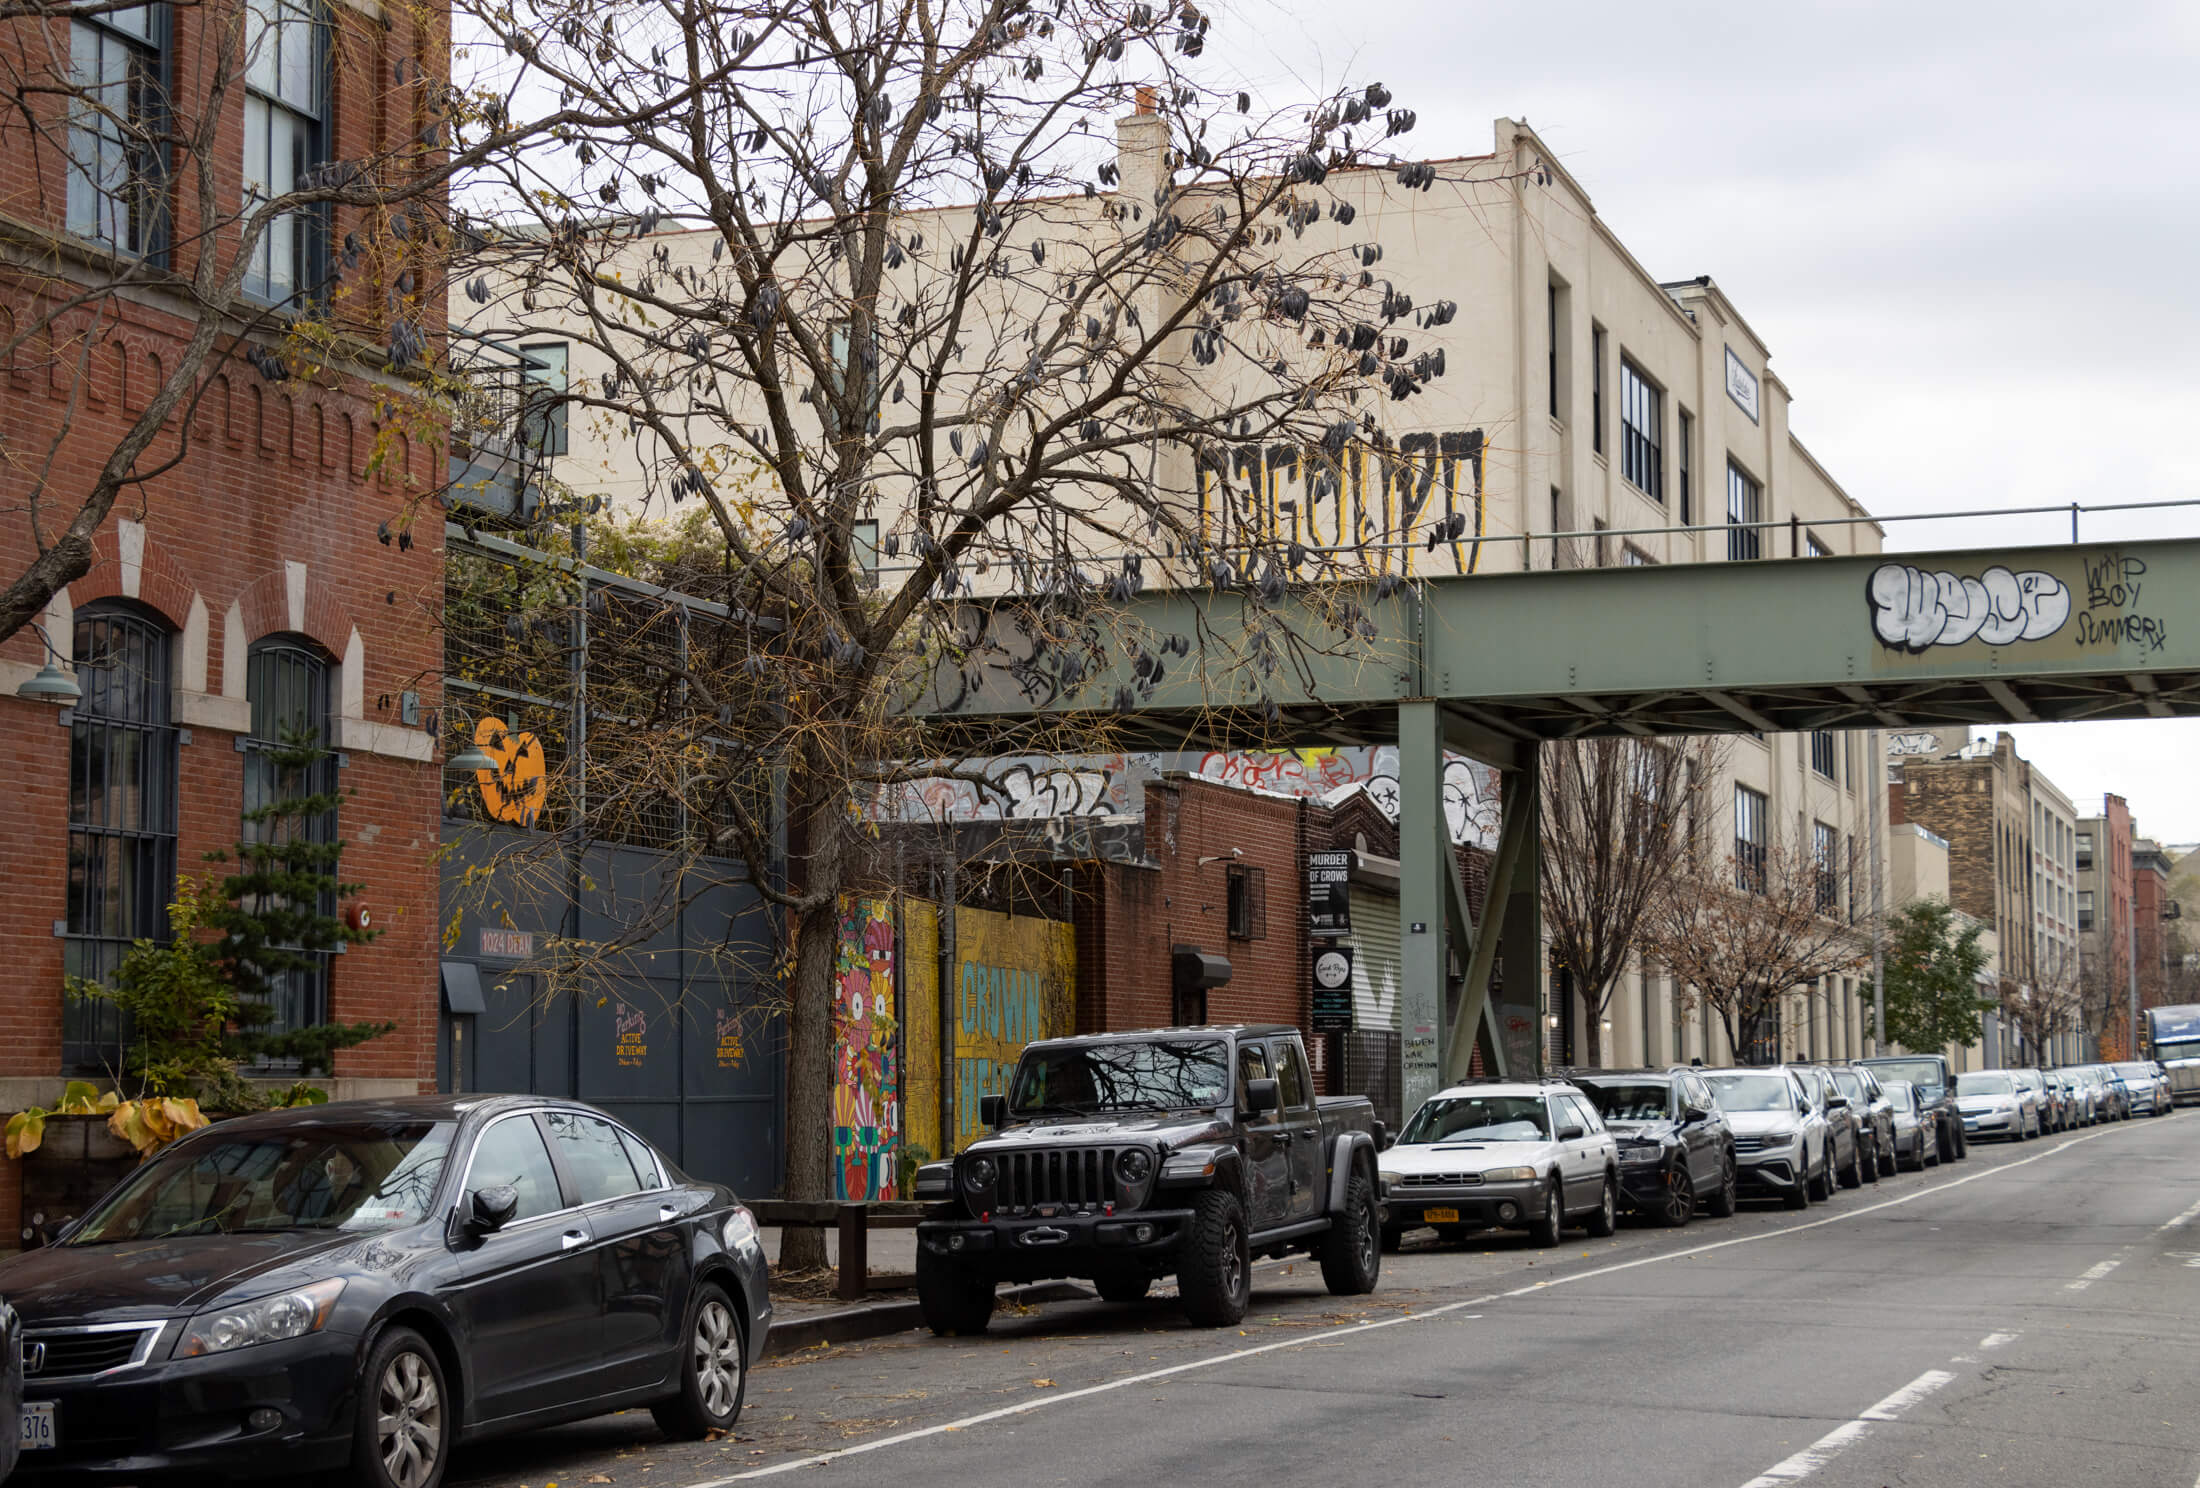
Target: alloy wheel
{"x": 408, "y": 1420}
{"x": 1680, "y": 1195}
{"x": 1233, "y": 1261}
{"x": 717, "y": 1352}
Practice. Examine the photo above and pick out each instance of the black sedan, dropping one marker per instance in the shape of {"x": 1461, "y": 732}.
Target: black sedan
{"x": 355, "y": 1288}
{"x": 1676, "y": 1151}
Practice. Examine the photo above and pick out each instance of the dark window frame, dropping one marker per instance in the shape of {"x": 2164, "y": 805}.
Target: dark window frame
{"x": 1745, "y": 506}
{"x": 1751, "y": 812}
{"x": 135, "y": 140}
{"x": 1825, "y": 754}
{"x": 1826, "y": 858}
{"x": 542, "y": 415}
{"x": 1641, "y": 431}
{"x": 312, "y": 111}
{"x": 1245, "y": 901}
{"x": 1596, "y": 387}
{"x": 310, "y": 686}
{"x": 132, "y": 725}
{"x": 1683, "y": 476}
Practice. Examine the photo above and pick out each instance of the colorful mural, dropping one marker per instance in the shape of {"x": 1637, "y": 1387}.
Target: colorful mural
{"x": 1015, "y": 981}
{"x": 866, "y": 1076}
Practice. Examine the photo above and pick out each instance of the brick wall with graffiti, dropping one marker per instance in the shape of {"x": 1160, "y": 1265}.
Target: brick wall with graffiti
{"x": 1410, "y": 504}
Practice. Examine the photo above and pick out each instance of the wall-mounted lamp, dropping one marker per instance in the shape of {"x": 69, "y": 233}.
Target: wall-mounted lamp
{"x": 52, "y": 684}
{"x": 1233, "y": 853}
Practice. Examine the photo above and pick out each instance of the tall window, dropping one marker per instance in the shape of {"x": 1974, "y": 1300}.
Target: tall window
{"x": 287, "y": 683}
{"x": 1824, "y": 753}
{"x": 1745, "y": 504}
{"x": 1550, "y": 297}
{"x": 1596, "y": 388}
{"x": 1749, "y": 839}
{"x": 1826, "y": 851}
{"x": 115, "y": 171}
{"x": 285, "y": 111}
{"x": 1683, "y": 476}
{"x": 1641, "y": 416}
{"x": 2085, "y": 909}
{"x": 1246, "y": 902}
{"x": 122, "y": 813}
{"x": 542, "y": 373}
{"x": 1815, "y": 546}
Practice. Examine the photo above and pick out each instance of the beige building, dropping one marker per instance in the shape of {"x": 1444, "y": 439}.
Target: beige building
{"x": 1590, "y": 412}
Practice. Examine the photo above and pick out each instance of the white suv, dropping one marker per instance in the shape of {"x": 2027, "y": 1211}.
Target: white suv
{"x": 1504, "y": 1154}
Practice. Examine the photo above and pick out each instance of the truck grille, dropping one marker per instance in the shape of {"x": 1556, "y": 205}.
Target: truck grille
{"x": 1060, "y": 1177}
{"x": 69, "y": 1355}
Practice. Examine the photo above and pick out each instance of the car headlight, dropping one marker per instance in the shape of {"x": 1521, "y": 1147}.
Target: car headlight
{"x": 269, "y": 1320}
{"x": 741, "y": 1230}
{"x": 979, "y": 1173}
{"x": 1386, "y": 1175}
{"x": 1509, "y": 1175}
{"x": 1638, "y": 1154}
{"x": 1134, "y": 1165}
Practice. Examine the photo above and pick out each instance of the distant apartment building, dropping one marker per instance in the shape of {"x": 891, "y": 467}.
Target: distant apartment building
{"x": 2106, "y": 895}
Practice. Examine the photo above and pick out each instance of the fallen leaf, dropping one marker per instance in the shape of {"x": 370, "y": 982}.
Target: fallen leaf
{"x": 1042, "y": 1384}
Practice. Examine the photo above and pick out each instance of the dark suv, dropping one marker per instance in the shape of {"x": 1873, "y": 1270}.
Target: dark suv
{"x": 1854, "y": 1161}
{"x": 1676, "y": 1151}
{"x": 1936, "y": 1092}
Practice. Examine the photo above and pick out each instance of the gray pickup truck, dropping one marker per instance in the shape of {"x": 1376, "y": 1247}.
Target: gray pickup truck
{"x": 1118, "y": 1158}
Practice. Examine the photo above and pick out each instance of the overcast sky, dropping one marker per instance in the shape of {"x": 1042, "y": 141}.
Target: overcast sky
{"x": 1967, "y": 231}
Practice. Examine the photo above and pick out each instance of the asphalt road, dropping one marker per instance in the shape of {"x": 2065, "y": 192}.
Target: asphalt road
{"x": 2030, "y": 1316}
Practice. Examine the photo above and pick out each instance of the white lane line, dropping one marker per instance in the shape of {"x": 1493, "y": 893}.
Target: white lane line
{"x": 1834, "y": 1442}
{"x": 1063, "y": 1397}
{"x": 2093, "y": 1274}
{"x": 1996, "y": 1340}
{"x": 2180, "y": 1221}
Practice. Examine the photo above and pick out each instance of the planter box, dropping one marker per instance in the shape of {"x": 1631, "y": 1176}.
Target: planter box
{"x": 76, "y": 1162}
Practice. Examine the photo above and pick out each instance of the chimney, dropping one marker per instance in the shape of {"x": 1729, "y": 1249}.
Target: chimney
{"x": 1141, "y": 152}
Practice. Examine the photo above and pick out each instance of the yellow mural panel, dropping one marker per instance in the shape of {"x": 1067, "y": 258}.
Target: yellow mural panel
{"x": 920, "y": 1025}
{"x": 1015, "y": 981}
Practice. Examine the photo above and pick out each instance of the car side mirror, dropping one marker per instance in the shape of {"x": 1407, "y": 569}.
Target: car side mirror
{"x": 1261, "y": 1096}
{"x": 993, "y": 1110}
{"x": 1838, "y": 1103}
{"x": 1383, "y": 1138}
{"x": 1694, "y": 1113}
{"x": 1571, "y": 1134}
{"x": 491, "y": 1209}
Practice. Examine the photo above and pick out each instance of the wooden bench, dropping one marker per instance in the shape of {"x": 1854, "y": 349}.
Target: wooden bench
{"x": 854, "y": 1222}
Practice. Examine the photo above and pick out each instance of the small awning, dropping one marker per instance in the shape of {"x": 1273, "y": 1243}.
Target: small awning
{"x": 462, "y": 988}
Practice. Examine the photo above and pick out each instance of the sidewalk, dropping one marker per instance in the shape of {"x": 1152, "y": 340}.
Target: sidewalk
{"x": 799, "y": 1323}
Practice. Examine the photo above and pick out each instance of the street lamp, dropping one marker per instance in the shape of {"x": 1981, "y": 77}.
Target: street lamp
{"x": 52, "y": 684}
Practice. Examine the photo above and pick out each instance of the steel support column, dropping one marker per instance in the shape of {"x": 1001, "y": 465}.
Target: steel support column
{"x": 1428, "y": 902}
{"x": 1522, "y": 966}
{"x": 1517, "y": 863}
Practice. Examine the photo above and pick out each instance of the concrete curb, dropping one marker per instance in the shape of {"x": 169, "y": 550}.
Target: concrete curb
{"x": 883, "y": 1319}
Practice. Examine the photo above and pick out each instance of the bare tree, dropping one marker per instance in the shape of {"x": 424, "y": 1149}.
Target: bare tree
{"x": 1743, "y": 929}
{"x": 884, "y": 289}
{"x": 2052, "y": 1004}
{"x": 1615, "y": 823}
{"x": 148, "y": 221}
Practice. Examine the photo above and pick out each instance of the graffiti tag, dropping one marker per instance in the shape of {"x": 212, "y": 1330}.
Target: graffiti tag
{"x": 1913, "y": 609}
{"x": 2112, "y": 583}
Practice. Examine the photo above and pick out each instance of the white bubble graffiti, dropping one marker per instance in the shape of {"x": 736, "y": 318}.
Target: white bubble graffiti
{"x": 1913, "y": 609}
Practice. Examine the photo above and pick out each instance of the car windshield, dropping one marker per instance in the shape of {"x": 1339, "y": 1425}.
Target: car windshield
{"x": 1923, "y": 1073}
{"x": 1741, "y": 1091}
{"x": 1850, "y": 1084}
{"x": 1648, "y": 1101}
{"x": 1983, "y": 1082}
{"x": 1898, "y": 1091}
{"x": 1143, "y": 1075}
{"x": 1479, "y": 1118}
{"x": 364, "y": 1177}
{"x": 2029, "y": 1079}
{"x": 2136, "y": 1071}
{"x": 2166, "y": 1049}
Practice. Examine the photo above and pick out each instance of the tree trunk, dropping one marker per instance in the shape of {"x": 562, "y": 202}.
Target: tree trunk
{"x": 810, "y": 1038}
{"x": 1592, "y": 1034}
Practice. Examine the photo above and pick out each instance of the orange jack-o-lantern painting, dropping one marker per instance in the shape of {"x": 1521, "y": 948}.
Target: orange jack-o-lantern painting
{"x": 514, "y": 790}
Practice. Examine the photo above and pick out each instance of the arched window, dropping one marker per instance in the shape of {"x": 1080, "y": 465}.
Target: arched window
{"x": 122, "y": 812}
{"x": 287, "y": 684}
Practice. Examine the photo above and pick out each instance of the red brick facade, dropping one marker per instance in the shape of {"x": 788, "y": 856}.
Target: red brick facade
{"x": 264, "y": 524}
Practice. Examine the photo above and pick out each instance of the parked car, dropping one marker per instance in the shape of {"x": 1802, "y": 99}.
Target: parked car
{"x": 30, "y": 1423}
{"x": 354, "y": 1288}
{"x": 2047, "y": 1098}
{"x": 2149, "y": 1086}
{"x": 1780, "y": 1139}
{"x": 2114, "y": 1099}
{"x": 1853, "y": 1162}
{"x": 1120, "y": 1157}
{"x": 2079, "y": 1095}
{"x": 1935, "y": 1087}
{"x": 1993, "y": 1106}
{"x": 1676, "y": 1150}
{"x": 1916, "y": 1146}
{"x": 1497, "y": 1154}
{"x": 1868, "y": 1102}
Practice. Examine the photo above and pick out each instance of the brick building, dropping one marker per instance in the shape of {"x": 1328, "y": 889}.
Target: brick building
{"x": 2105, "y": 916}
{"x": 241, "y": 587}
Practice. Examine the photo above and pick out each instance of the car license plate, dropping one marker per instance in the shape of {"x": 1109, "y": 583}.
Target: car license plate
{"x": 38, "y": 1432}
{"x": 1440, "y": 1216}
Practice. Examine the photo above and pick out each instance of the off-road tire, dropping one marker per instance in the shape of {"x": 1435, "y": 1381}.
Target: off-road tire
{"x": 1724, "y": 1203}
{"x": 713, "y": 1346}
{"x": 1215, "y": 1276}
{"x": 1551, "y": 1228}
{"x": 1121, "y": 1286}
{"x": 1604, "y": 1223}
{"x": 1351, "y": 1256}
{"x": 952, "y": 1301}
